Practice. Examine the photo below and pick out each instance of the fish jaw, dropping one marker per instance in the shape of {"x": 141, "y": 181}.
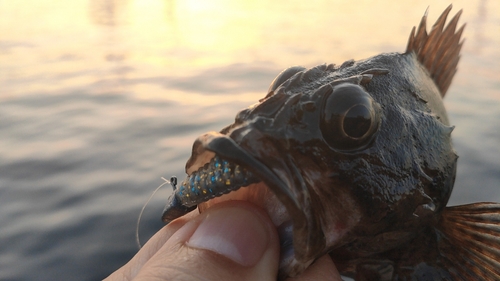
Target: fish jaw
{"x": 284, "y": 191}
{"x": 277, "y": 193}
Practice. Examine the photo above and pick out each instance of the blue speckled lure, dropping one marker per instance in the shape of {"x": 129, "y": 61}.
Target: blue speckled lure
{"x": 214, "y": 179}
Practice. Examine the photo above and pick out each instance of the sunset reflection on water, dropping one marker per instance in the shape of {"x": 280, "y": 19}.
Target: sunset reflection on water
{"x": 63, "y": 44}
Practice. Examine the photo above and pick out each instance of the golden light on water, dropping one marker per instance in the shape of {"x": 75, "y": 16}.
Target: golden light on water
{"x": 56, "y": 44}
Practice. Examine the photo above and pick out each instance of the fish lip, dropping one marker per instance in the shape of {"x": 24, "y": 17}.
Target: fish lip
{"x": 295, "y": 199}
{"x": 226, "y": 148}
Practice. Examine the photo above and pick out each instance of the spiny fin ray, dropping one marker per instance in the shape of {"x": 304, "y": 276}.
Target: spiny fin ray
{"x": 438, "y": 50}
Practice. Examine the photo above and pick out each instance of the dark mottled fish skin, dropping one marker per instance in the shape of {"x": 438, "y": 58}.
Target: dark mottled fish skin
{"x": 358, "y": 162}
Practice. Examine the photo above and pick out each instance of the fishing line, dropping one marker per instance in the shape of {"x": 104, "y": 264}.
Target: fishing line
{"x": 142, "y": 211}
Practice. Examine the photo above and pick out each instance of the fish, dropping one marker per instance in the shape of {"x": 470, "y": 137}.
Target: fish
{"x": 355, "y": 161}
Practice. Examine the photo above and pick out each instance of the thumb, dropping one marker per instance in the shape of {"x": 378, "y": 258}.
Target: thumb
{"x": 229, "y": 241}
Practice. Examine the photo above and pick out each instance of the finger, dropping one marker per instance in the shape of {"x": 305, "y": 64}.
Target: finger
{"x": 321, "y": 269}
{"x": 230, "y": 241}
{"x": 130, "y": 270}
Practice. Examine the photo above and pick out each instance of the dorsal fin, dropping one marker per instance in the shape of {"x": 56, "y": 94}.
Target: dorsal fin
{"x": 439, "y": 50}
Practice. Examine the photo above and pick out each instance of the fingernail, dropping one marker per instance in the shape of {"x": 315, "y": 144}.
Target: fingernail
{"x": 234, "y": 232}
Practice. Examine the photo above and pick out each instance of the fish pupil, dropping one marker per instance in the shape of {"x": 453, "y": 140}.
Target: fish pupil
{"x": 357, "y": 121}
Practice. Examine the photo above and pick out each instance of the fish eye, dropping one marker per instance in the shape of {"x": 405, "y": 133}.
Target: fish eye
{"x": 350, "y": 117}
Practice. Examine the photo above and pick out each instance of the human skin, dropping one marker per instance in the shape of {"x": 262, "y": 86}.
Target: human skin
{"x": 233, "y": 240}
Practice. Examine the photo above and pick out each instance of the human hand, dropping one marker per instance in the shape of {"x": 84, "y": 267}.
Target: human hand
{"x": 233, "y": 240}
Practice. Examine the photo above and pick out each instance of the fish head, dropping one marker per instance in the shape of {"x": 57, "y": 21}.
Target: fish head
{"x": 352, "y": 158}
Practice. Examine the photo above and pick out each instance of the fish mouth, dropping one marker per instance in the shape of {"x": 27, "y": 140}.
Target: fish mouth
{"x": 220, "y": 169}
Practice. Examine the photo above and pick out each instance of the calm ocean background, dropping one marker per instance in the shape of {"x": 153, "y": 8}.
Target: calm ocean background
{"x": 101, "y": 98}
